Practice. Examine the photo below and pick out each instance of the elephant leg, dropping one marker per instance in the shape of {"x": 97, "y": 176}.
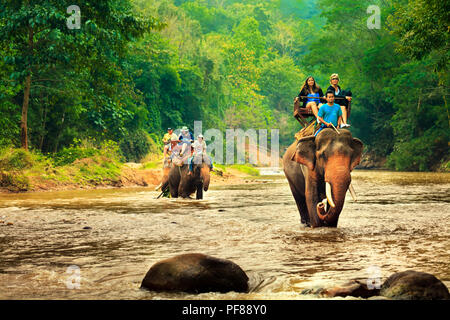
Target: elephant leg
{"x": 302, "y": 209}
{"x": 173, "y": 188}
{"x": 300, "y": 200}
{"x": 332, "y": 224}
{"x": 183, "y": 188}
{"x": 173, "y": 192}
{"x": 200, "y": 191}
{"x": 180, "y": 192}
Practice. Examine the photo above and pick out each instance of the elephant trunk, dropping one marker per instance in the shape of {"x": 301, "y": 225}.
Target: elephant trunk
{"x": 331, "y": 215}
{"x": 337, "y": 181}
{"x": 165, "y": 179}
{"x": 321, "y": 211}
{"x": 204, "y": 173}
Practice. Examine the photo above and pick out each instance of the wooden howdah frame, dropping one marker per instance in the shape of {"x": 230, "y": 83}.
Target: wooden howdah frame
{"x": 301, "y": 114}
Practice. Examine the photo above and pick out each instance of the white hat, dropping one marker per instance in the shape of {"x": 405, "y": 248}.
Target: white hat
{"x": 200, "y": 136}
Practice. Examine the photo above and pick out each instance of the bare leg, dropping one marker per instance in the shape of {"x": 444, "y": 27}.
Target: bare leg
{"x": 344, "y": 114}
{"x": 314, "y": 108}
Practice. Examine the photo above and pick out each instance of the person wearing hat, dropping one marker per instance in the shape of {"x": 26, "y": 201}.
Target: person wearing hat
{"x": 334, "y": 86}
{"x": 168, "y": 138}
{"x": 199, "y": 150}
{"x": 186, "y": 138}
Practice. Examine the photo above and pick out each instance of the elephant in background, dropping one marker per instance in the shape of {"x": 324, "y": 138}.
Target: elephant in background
{"x": 183, "y": 185}
{"x": 318, "y": 171}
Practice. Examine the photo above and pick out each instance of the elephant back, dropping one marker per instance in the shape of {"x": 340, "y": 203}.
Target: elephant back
{"x": 200, "y": 159}
{"x": 179, "y": 161}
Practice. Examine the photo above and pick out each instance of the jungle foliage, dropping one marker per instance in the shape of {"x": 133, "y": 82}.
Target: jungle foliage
{"x": 136, "y": 67}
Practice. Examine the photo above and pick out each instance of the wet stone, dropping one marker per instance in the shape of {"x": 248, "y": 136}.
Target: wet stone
{"x": 414, "y": 285}
{"x": 195, "y": 273}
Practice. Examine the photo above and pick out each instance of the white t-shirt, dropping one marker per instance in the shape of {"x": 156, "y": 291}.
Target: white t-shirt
{"x": 199, "y": 147}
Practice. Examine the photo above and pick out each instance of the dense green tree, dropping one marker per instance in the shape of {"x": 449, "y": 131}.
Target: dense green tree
{"x": 41, "y": 44}
{"x": 229, "y": 63}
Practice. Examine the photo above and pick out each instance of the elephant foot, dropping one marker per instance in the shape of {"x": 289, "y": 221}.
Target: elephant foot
{"x": 305, "y": 224}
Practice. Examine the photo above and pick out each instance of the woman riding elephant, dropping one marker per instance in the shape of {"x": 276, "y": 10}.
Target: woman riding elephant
{"x": 339, "y": 93}
{"x": 318, "y": 171}
{"x": 313, "y": 92}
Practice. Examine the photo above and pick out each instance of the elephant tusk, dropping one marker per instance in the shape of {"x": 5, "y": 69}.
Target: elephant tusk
{"x": 293, "y": 156}
{"x": 328, "y": 193}
{"x": 352, "y": 192}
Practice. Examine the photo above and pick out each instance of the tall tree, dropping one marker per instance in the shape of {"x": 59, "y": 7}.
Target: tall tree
{"x": 40, "y": 40}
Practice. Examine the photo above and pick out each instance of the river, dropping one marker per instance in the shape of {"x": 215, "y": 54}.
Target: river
{"x": 111, "y": 237}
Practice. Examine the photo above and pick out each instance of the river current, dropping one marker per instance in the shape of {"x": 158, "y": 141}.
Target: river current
{"x": 98, "y": 244}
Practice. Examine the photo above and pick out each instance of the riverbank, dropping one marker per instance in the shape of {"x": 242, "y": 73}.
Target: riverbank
{"x": 22, "y": 171}
{"x": 83, "y": 168}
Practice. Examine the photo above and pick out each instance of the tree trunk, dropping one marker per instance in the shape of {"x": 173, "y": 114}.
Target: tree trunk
{"x": 23, "y": 121}
{"x": 26, "y": 97}
{"x": 44, "y": 120}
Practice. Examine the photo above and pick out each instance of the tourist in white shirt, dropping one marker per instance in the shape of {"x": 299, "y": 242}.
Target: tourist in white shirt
{"x": 199, "y": 150}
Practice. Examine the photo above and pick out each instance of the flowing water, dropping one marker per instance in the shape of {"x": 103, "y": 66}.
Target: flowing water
{"x": 98, "y": 244}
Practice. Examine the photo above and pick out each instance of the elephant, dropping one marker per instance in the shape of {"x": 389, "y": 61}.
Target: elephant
{"x": 183, "y": 185}
{"x": 318, "y": 171}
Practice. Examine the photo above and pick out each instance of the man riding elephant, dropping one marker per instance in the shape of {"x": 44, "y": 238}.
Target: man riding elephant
{"x": 170, "y": 139}
{"x": 186, "y": 137}
{"x": 318, "y": 171}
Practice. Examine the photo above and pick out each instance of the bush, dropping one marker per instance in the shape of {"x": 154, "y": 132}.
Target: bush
{"x": 135, "y": 145}
{"x": 69, "y": 155}
{"x": 16, "y": 159}
{"x": 445, "y": 166}
{"x": 111, "y": 150}
{"x": 14, "y": 181}
{"x": 419, "y": 154}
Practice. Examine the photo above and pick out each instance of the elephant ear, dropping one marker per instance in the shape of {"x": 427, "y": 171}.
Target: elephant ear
{"x": 306, "y": 152}
{"x": 357, "y": 147}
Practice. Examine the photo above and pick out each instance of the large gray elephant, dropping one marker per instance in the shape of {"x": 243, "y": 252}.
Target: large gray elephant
{"x": 182, "y": 184}
{"x": 318, "y": 171}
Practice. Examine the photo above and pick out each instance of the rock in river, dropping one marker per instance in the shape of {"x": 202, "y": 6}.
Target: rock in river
{"x": 196, "y": 273}
{"x": 354, "y": 288}
{"x": 413, "y": 285}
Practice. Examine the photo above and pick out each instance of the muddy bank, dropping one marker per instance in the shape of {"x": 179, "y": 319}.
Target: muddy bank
{"x": 131, "y": 175}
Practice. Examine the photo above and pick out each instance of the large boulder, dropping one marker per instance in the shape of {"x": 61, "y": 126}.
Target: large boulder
{"x": 413, "y": 285}
{"x": 195, "y": 273}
